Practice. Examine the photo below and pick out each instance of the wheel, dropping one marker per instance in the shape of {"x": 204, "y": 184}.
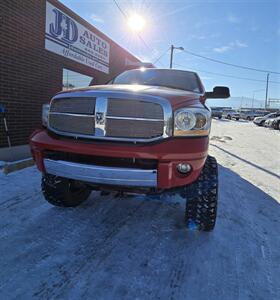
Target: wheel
{"x": 236, "y": 119}
{"x": 202, "y": 198}
{"x": 248, "y": 119}
{"x": 64, "y": 192}
{"x": 261, "y": 123}
{"x": 276, "y": 125}
{"x": 219, "y": 117}
{"x": 229, "y": 117}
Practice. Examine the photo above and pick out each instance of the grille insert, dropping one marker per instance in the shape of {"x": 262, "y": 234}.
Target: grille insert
{"x": 75, "y": 124}
{"x": 134, "y": 109}
{"x": 74, "y": 105}
{"x": 133, "y": 128}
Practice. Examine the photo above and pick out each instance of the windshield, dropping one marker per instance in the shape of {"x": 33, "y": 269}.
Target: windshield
{"x": 271, "y": 115}
{"x": 182, "y": 80}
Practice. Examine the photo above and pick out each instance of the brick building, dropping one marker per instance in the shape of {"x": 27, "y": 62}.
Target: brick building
{"x": 45, "y": 47}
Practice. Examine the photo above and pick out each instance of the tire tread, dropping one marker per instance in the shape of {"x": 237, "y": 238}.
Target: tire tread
{"x": 56, "y": 191}
{"x": 202, "y": 196}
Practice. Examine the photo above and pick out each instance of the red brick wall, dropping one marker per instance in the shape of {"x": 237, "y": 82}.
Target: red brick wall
{"x": 31, "y": 75}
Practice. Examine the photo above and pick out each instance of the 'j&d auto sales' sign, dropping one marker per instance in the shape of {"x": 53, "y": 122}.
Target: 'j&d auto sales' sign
{"x": 66, "y": 37}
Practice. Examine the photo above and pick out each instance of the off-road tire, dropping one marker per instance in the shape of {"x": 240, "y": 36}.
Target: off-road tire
{"x": 63, "y": 192}
{"x": 202, "y": 198}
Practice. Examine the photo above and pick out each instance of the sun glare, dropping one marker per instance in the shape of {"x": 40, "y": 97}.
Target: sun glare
{"x": 136, "y": 23}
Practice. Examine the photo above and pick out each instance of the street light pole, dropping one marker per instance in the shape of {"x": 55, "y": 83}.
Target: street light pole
{"x": 171, "y": 54}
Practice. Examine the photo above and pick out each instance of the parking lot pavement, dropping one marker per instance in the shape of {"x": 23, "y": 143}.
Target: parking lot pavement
{"x": 137, "y": 247}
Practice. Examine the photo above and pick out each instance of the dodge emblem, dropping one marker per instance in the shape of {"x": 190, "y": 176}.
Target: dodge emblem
{"x": 99, "y": 118}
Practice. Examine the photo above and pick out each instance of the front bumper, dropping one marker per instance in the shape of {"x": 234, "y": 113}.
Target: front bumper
{"x": 102, "y": 175}
{"x": 168, "y": 154}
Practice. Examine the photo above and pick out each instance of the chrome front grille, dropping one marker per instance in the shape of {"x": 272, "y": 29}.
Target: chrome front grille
{"x": 119, "y": 117}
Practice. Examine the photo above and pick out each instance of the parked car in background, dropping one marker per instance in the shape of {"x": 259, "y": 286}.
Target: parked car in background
{"x": 261, "y": 120}
{"x": 276, "y": 123}
{"x": 268, "y": 122}
{"x": 250, "y": 115}
{"x": 231, "y": 114}
{"x": 216, "y": 112}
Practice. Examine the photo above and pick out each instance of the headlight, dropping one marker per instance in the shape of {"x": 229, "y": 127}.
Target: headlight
{"x": 185, "y": 120}
{"x": 192, "y": 122}
{"x": 45, "y": 114}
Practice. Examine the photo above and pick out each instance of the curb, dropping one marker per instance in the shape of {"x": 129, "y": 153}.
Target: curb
{"x": 10, "y": 167}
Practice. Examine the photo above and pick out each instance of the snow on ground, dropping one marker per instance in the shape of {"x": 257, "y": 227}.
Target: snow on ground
{"x": 251, "y": 151}
{"x": 138, "y": 247}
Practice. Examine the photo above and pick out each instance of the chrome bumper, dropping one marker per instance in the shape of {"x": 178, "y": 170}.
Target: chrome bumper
{"x": 102, "y": 175}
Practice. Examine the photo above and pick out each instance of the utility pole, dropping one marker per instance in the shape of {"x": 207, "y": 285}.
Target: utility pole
{"x": 266, "y": 92}
{"x": 171, "y": 54}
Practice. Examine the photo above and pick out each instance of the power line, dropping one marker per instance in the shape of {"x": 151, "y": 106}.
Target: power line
{"x": 226, "y": 75}
{"x": 126, "y": 17}
{"x": 138, "y": 34}
{"x": 120, "y": 9}
{"x": 230, "y": 64}
{"x": 156, "y": 60}
{"x": 198, "y": 55}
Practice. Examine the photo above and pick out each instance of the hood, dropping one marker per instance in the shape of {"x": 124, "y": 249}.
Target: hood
{"x": 260, "y": 118}
{"x": 176, "y": 97}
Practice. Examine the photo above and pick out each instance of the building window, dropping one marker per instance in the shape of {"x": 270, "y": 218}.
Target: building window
{"x": 73, "y": 80}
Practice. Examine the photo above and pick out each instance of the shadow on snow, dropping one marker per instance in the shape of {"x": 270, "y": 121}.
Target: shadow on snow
{"x": 128, "y": 248}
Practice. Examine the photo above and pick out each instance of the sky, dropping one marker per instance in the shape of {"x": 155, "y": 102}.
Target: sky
{"x": 239, "y": 32}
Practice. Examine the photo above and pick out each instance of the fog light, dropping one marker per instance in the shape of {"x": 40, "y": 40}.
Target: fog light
{"x": 183, "y": 168}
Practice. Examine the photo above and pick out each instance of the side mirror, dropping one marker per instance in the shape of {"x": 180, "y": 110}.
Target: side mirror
{"x": 218, "y": 92}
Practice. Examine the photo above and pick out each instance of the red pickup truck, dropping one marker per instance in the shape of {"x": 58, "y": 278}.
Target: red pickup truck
{"x": 146, "y": 131}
